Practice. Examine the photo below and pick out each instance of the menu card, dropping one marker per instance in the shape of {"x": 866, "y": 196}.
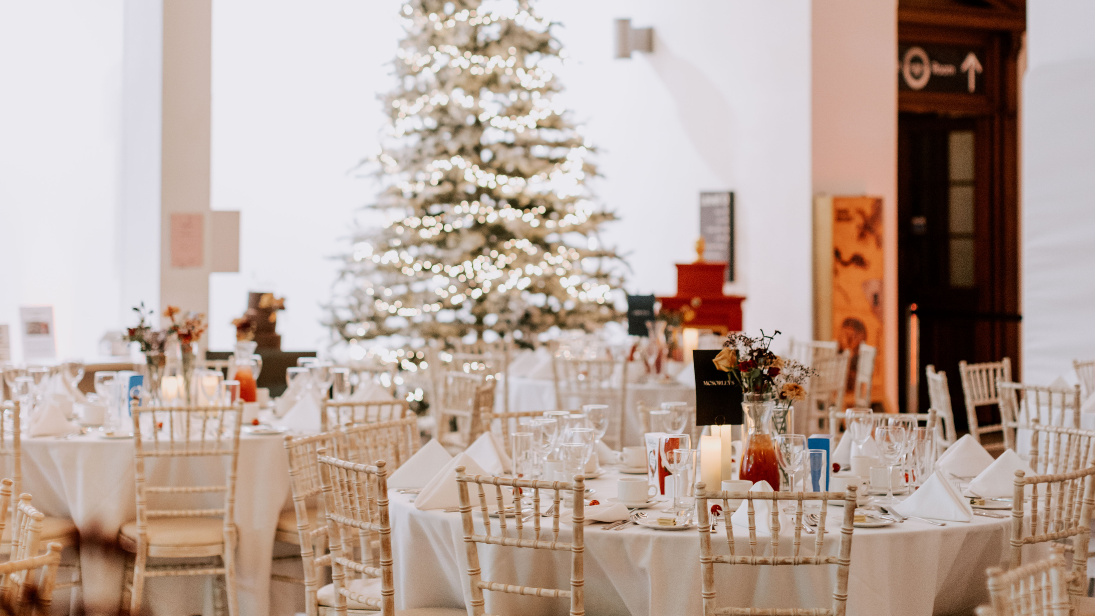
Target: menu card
{"x": 640, "y": 311}
{"x": 718, "y": 399}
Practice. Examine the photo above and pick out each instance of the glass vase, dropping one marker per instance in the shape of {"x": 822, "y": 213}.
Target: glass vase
{"x": 187, "y": 363}
{"x": 758, "y": 458}
{"x": 156, "y": 363}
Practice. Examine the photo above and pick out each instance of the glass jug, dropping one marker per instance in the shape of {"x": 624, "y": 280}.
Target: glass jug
{"x": 245, "y": 367}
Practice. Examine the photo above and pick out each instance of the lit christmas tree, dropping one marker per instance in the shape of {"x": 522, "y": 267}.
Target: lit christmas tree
{"x": 490, "y": 224}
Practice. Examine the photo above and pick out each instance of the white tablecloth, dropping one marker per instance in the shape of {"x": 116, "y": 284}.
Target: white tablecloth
{"x": 528, "y": 394}
{"x": 91, "y": 480}
{"x": 912, "y": 569}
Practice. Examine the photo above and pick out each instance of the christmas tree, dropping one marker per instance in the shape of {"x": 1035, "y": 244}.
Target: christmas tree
{"x": 490, "y": 224}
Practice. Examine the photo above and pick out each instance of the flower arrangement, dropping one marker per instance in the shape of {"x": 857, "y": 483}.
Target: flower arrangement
{"x": 186, "y": 327}
{"x": 152, "y": 341}
{"x": 751, "y": 364}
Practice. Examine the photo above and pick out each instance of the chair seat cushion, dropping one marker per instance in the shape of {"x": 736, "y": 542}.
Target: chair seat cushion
{"x": 53, "y": 529}
{"x": 369, "y": 587}
{"x": 178, "y": 532}
{"x": 287, "y": 521}
{"x": 1085, "y": 606}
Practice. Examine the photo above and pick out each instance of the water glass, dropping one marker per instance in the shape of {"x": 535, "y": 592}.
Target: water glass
{"x": 892, "y": 442}
{"x": 922, "y": 456}
{"x": 860, "y": 424}
{"x": 73, "y": 370}
{"x": 678, "y": 415}
{"x": 597, "y": 414}
{"x": 662, "y": 421}
{"x": 322, "y": 377}
{"x": 790, "y": 454}
{"x": 231, "y": 393}
{"x": 816, "y": 470}
{"x": 573, "y": 458}
{"x": 682, "y": 463}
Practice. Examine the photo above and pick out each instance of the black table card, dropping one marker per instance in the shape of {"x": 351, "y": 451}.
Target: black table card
{"x": 718, "y": 399}
{"x": 640, "y": 311}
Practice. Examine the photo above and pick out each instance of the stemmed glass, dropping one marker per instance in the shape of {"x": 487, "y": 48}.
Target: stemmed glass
{"x": 892, "y": 442}
{"x": 524, "y": 461}
{"x": 860, "y": 424}
{"x": 669, "y": 444}
{"x": 573, "y": 456}
{"x": 923, "y": 455}
{"x": 321, "y": 377}
{"x": 678, "y": 415}
{"x": 73, "y": 370}
{"x": 40, "y": 375}
{"x": 661, "y": 421}
{"x": 909, "y": 423}
{"x": 23, "y": 391}
{"x": 791, "y": 455}
{"x": 597, "y": 414}
{"x": 682, "y": 462}
{"x": 106, "y": 386}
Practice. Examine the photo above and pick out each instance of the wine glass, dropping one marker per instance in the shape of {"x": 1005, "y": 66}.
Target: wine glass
{"x": 891, "y": 441}
{"x": 40, "y": 375}
{"x": 860, "y": 424}
{"x": 560, "y": 418}
{"x": 524, "y": 462}
{"x": 672, "y": 442}
{"x": 543, "y": 431}
{"x": 73, "y": 370}
{"x": 661, "y": 421}
{"x": 597, "y": 414}
{"x": 678, "y": 415}
{"x": 791, "y": 453}
{"x": 104, "y": 381}
{"x": 923, "y": 454}
{"x": 572, "y": 455}
{"x": 321, "y": 377}
{"x": 682, "y": 463}
{"x": 585, "y": 436}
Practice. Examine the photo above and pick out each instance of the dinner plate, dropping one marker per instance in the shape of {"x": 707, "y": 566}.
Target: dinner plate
{"x": 634, "y": 470}
{"x": 884, "y": 492}
{"x": 633, "y": 504}
{"x": 994, "y": 505}
{"x": 872, "y": 522}
{"x": 510, "y": 512}
{"x": 115, "y": 435}
{"x": 649, "y": 523}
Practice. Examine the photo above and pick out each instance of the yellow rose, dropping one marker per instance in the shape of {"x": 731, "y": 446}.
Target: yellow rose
{"x": 777, "y": 362}
{"x": 726, "y": 360}
{"x": 793, "y": 391}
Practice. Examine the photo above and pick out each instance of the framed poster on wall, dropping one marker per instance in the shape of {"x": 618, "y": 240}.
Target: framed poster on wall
{"x": 717, "y": 229}
{"x": 849, "y": 269}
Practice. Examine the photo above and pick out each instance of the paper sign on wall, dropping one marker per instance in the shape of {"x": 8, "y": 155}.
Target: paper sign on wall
{"x": 187, "y": 240}
{"x": 38, "y": 337}
{"x": 5, "y": 343}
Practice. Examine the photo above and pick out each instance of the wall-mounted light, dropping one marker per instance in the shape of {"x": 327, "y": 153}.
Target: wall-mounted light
{"x": 630, "y": 39}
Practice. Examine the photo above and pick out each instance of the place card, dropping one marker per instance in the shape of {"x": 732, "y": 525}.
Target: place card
{"x": 718, "y": 400}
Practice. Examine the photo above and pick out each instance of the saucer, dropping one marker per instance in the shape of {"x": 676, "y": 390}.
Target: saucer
{"x": 632, "y": 470}
{"x": 265, "y": 430}
{"x": 648, "y": 523}
{"x": 633, "y": 504}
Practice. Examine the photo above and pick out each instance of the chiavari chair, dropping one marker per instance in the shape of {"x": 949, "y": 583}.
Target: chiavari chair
{"x": 334, "y": 414}
{"x": 864, "y": 374}
{"x": 757, "y": 557}
{"x": 520, "y": 535}
{"x": 465, "y": 397}
{"x": 1060, "y": 514}
{"x": 826, "y": 389}
{"x": 197, "y": 532}
{"x": 359, "y": 528}
{"x": 1021, "y": 403}
{"x": 19, "y": 590}
{"x": 1037, "y": 589}
{"x": 979, "y": 389}
{"x": 939, "y": 396}
{"x": 490, "y": 357}
{"x": 1085, "y": 373}
{"x": 593, "y": 381}
{"x": 508, "y": 423}
{"x": 806, "y": 352}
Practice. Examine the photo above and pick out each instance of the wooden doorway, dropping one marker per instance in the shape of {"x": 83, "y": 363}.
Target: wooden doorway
{"x": 958, "y": 218}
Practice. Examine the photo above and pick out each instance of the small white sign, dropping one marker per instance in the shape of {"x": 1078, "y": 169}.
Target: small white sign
{"x": 5, "y": 343}
{"x": 38, "y": 336}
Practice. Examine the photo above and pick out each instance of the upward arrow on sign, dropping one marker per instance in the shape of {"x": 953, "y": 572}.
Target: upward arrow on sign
{"x": 971, "y": 67}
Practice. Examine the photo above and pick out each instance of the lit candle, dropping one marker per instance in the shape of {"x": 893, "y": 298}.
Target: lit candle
{"x": 726, "y": 434}
{"x": 711, "y": 462}
{"x": 169, "y": 388}
{"x": 208, "y": 391}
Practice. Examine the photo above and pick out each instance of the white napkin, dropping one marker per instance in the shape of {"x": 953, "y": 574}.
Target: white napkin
{"x": 285, "y": 403}
{"x": 49, "y": 418}
{"x": 965, "y": 458}
{"x": 371, "y": 392}
{"x": 424, "y": 465}
{"x": 543, "y": 370}
{"x": 1089, "y": 404}
{"x": 687, "y": 375}
{"x": 600, "y": 513}
{"x": 998, "y": 480}
{"x": 490, "y": 454}
{"x": 442, "y": 492}
{"x": 937, "y": 499}
{"x": 526, "y": 361}
{"x": 762, "y": 514}
{"x": 303, "y": 416}
{"x": 605, "y": 453}
{"x": 843, "y": 453}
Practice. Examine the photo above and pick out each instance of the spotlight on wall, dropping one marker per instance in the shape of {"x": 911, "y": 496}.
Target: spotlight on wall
{"x": 630, "y": 39}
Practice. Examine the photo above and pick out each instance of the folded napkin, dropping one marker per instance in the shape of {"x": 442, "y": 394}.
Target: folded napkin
{"x": 491, "y": 455}
{"x": 49, "y": 418}
{"x": 843, "y": 453}
{"x": 417, "y": 471}
{"x": 762, "y": 514}
{"x": 599, "y": 513}
{"x": 285, "y": 403}
{"x": 998, "y": 480}
{"x": 605, "y": 453}
{"x": 59, "y": 385}
{"x": 303, "y": 416}
{"x": 937, "y": 499}
{"x": 965, "y": 458}
{"x": 442, "y": 492}
{"x": 371, "y": 392}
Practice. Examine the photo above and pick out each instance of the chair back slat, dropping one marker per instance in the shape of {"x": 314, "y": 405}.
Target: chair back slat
{"x": 465, "y": 398}
{"x": 335, "y": 414}
{"x": 580, "y": 381}
{"x": 518, "y": 537}
{"x": 1029, "y": 404}
{"x": 979, "y": 389}
{"x": 771, "y": 556}
{"x": 356, "y": 499}
{"x": 827, "y": 387}
{"x": 1085, "y": 374}
{"x": 27, "y": 582}
{"x": 1037, "y": 589}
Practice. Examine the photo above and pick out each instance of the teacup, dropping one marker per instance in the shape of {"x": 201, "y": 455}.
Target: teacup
{"x": 551, "y": 467}
{"x": 861, "y": 465}
{"x": 93, "y": 414}
{"x": 633, "y": 457}
{"x": 879, "y": 481}
{"x": 634, "y": 490}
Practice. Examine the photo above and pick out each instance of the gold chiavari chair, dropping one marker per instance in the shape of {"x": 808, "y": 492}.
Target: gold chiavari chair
{"x": 359, "y": 527}
{"x": 826, "y": 389}
{"x": 939, "y": 396}
{"x": 755, "y": 557}
{"x": 20, "y": 593}
{"x": 465, "y": 397}
{"x": 1048, "y": 406}
{"x": 1037, "y": 589}
{"x": 979, "y": 389}
{"x": 536, "y": 538}
{"x": 334, "y": 414}
{"x": 183, "y": 432}
{"x": 1085, "y": 373}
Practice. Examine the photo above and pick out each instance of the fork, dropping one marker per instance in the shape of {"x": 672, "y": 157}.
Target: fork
{"x": 635, "y": 515}
{"x": 812, "y": 519}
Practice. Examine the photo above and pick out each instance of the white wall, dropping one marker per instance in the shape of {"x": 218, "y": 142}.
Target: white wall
{"x": 722, "y": 104}
{"x": 1058, "y": 189}
{"x": 60, "y": 164}
{"x": 855, "y": 126}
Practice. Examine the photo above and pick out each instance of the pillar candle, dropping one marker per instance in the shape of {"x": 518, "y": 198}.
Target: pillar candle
{"x": 169, "y": 388}
{"x": 711, "y": 462}
{"x": 726, "y": 434}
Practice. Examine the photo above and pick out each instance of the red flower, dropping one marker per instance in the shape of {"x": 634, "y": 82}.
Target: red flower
{"x": 594, "y": 503}
{"x": 254, "y": 422}
{"x": 747, "y": 365}
{"x": 836, "y": 467}
{"x": 716, "y": 510}
{"x": 772, "y": 372}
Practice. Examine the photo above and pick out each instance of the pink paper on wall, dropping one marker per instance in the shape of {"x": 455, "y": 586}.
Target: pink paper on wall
{"x": 187, "y": 240}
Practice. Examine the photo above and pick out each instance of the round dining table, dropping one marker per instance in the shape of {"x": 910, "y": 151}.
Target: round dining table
{"x": 907, "y": 569}
{"x": 90, "y": 479}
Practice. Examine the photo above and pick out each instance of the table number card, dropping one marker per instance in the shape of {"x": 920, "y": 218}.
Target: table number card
{"x": 718, "y": 400}
{"x": 38, "y": 337}
{"x": 640, "y": 311}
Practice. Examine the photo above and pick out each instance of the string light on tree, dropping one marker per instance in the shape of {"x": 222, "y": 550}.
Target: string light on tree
{"x": 490, "y": 222}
